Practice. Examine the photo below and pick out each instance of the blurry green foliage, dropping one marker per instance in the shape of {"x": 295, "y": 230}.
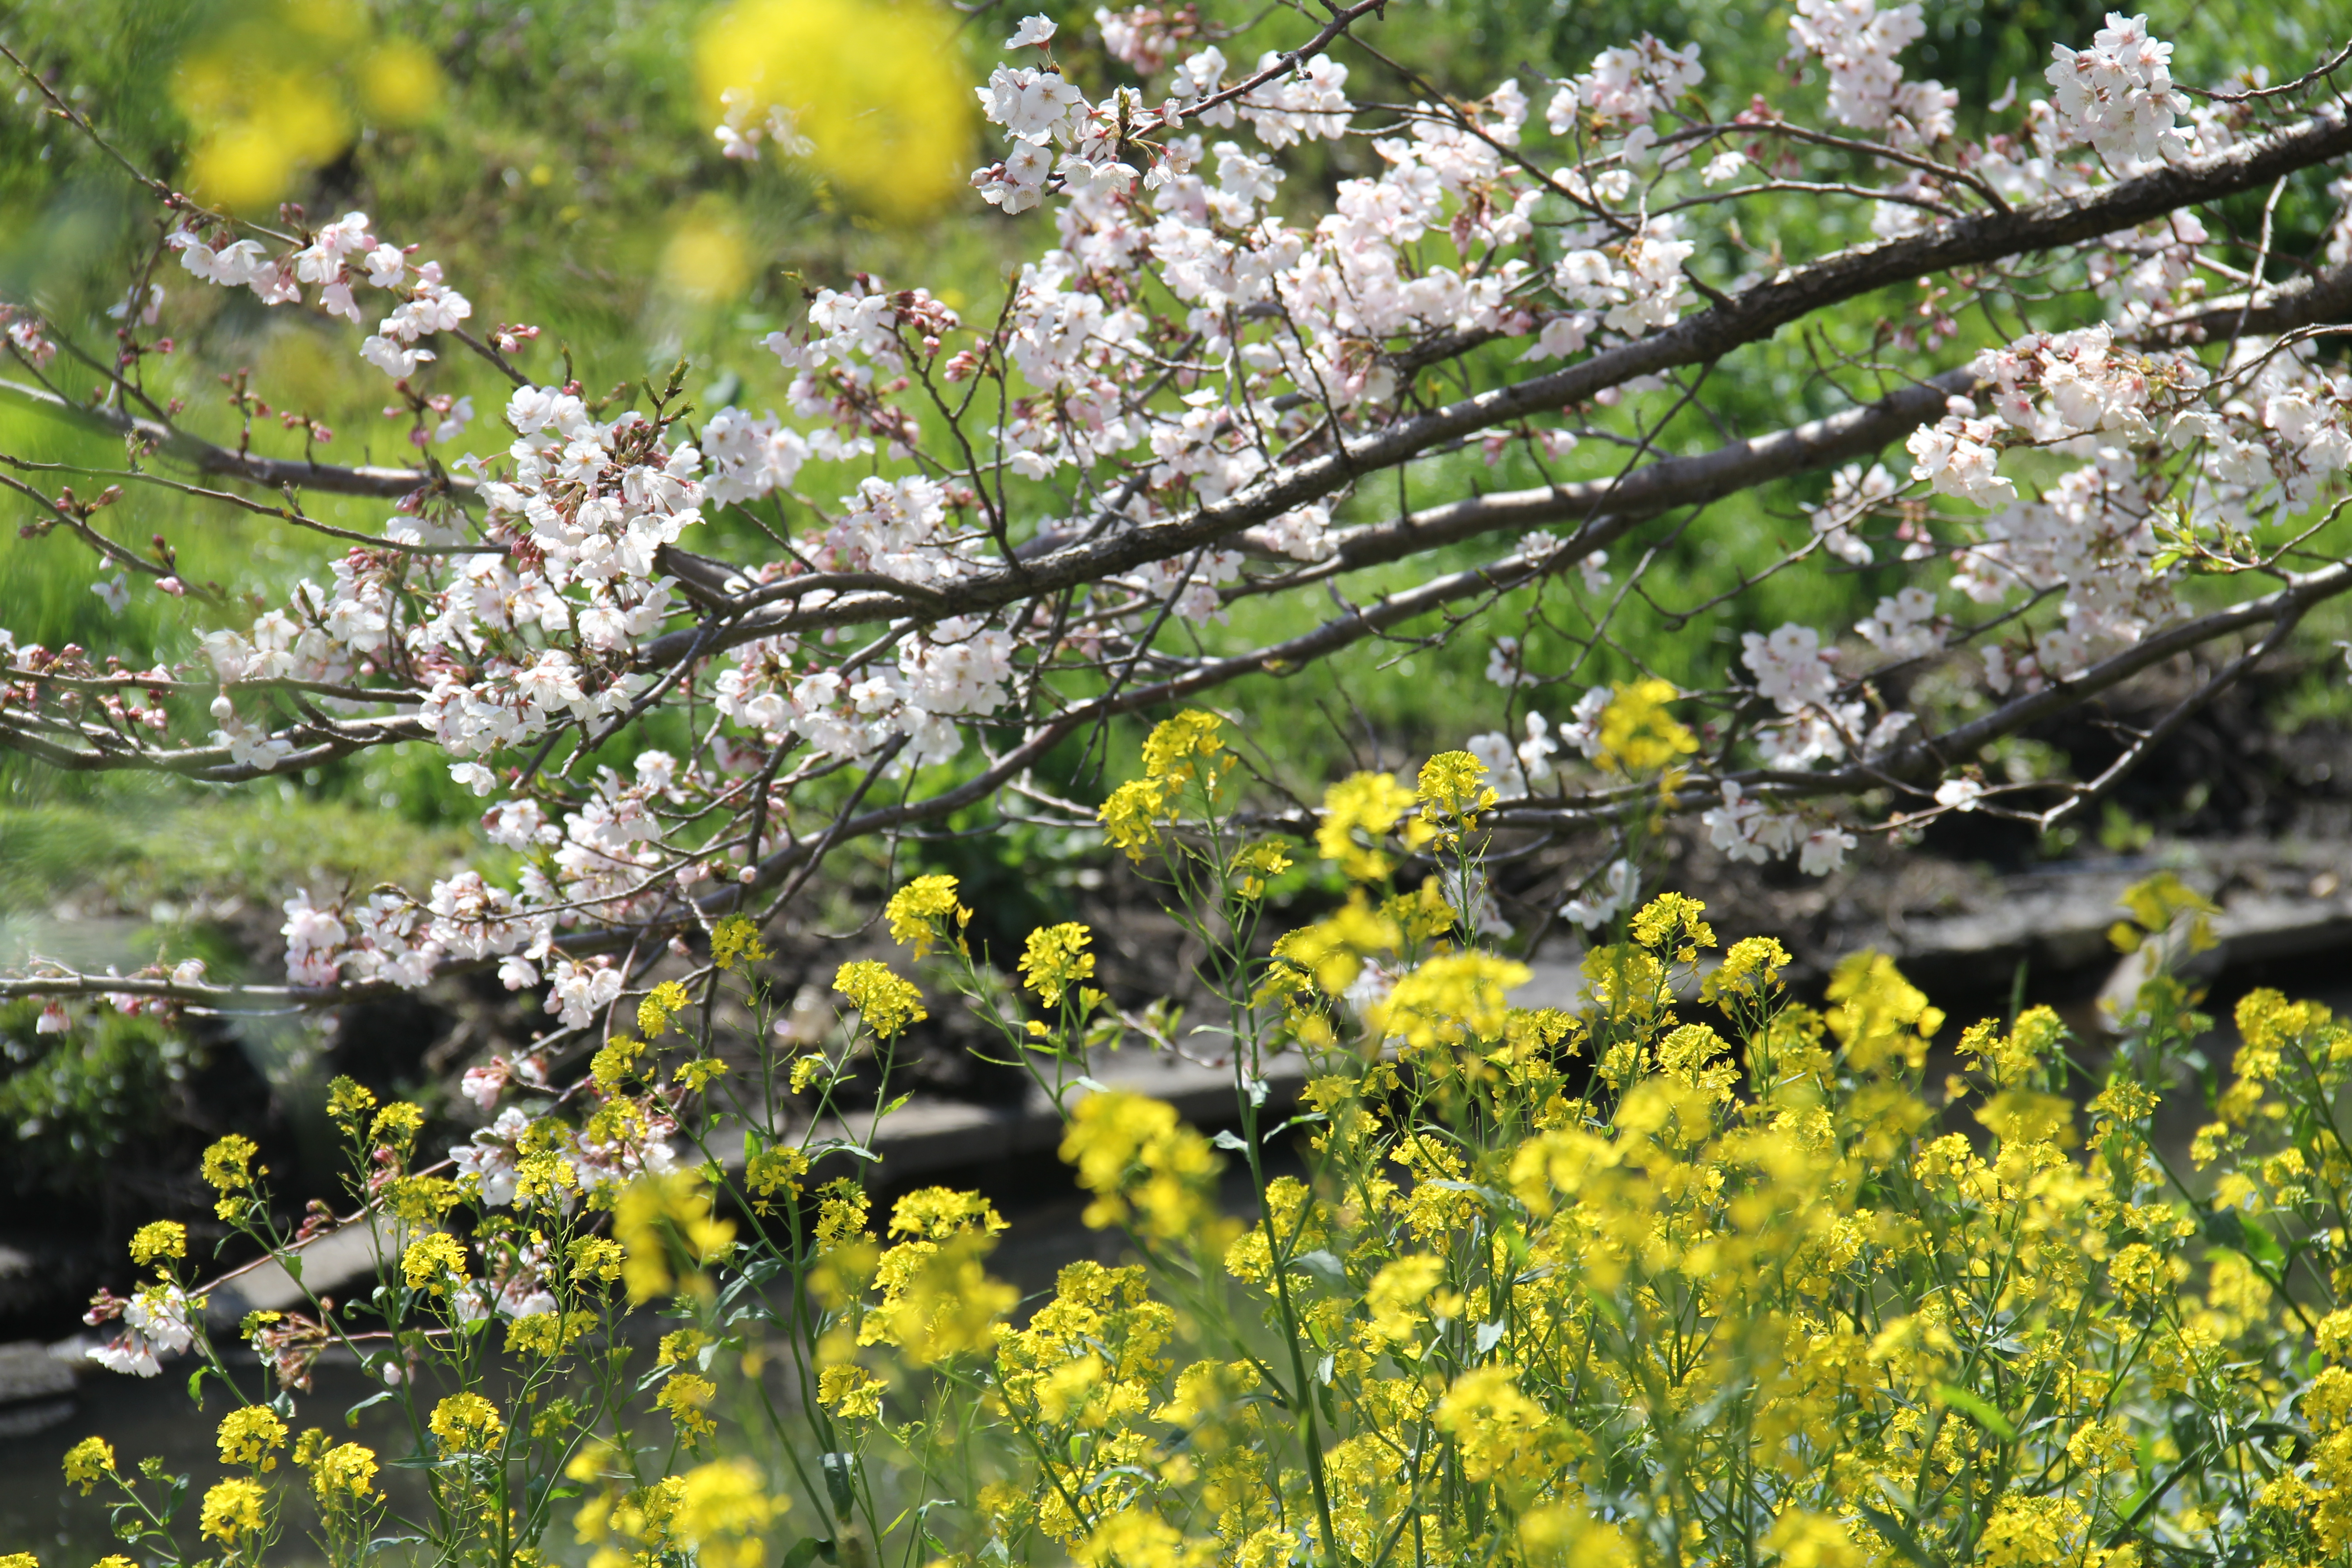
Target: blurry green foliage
{"x": 72, "y": 1104}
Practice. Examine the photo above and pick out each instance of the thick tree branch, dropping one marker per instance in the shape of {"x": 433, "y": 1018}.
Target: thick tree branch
{"x": 1750, "y": 317}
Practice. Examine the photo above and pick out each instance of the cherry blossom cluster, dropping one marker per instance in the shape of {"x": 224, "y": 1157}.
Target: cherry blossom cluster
{"x": 26, "y": 339}
{"x": 1749, "y": 829}
{"x": 1198, "y": 387}
{"x": 1816, "y": 723}
{"x": 155, "y": 1325}
{"x": 1856, "y": 43}
{"x": 2267, "y": 438}
{"x": 335, "y": 260}
{"x": 611, "y": 1151}
{"x": 2117, "y": 95}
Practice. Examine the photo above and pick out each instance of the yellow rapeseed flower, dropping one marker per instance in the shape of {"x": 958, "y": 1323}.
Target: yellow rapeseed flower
{"x": 658, "y": 1214}
{"x": 919, "y": 913}
{"x": 615, "y": 1060}
{"x": 88, "y": 1462}
{"x": 158, "y": 1240}
{"x": 235, "y": 1510}
{"x": 1453, "y": 790}
{"x": 1055, "y": 959}
{"x": 1141, "y": 1163}
{"x": 396, "y": 1126}
{"x": 850, "y": 1392}
{"x": 683, "y": 1395}
{"x": 876, "y": 91}
{"x": 349, "y": 1104}
{"x": 434, "y": 1263}
{"x": 250, "y": 1436}
{"x": 229, "y": 1167}
{"x": 467, "y": 1421}
{"x": 595, "y": 1261}
{"x": 886, "y": 1001}
{"x": 664, "y": 1002}
{"x": 736, "y": 941}
{"x": 1372, "y": 804}
{"x": 1184, "y": 748}
{"x": 772, "y": 1169}
{"x": 1130, "y": 816}
{"x": 1450, "y": 999}
{"x": 1638, "y": 736}
{"x": 345, "y": 1475}
{"x": 723, "y": 1513}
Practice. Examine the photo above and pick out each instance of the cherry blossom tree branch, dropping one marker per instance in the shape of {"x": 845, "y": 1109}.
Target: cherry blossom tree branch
{"x": 270, "y": 473}
{"x": 1750, "y": 317}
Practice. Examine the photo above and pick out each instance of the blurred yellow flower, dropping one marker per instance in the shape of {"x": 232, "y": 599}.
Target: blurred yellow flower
{"x": 284, "y": 89}
{"x": 876, "y": 90}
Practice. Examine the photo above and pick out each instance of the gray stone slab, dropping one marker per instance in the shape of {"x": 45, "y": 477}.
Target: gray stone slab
{"x": 328, "y": 1264}
{"x": 29, "y": 1373}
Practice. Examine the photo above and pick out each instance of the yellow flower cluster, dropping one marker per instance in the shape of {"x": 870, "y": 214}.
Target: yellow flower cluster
{"x": 1638, "y": 736}
{"x": 1183, "y": 755}
{"x": 698, "y": 1076}
{"x": 157, "y": 1241}
{"x": 1695, "y": 1271}
{"x": 547, "y": 1334}
{"x": 396, "y": 1126}
{"x": 770, "y": 1171}
{"x": 251, "y": 1436}
{"x": 615, "y": 1062}
{"x": 684, "y": 1395}
{"x": 595, "y": 1260}
{"x": 228, "y": 1169}
{"x": 850, "y": 1392}
{"x": 662, "y": 1004}
{"x": 1142, "y": 1166}
{"x": 735, "y": 941}
{"x": 467, "y": 1422}
{"x": 718, "y": 1512}
{"x": 435, "y": 1263}
{"x": 657, "y": 1218}
{"x": 1718, "y": 1295}
{"x": 88, "y": 1462}
{"x": 1358, "y": 813}
{"x": 888, "y": 1003}
{"x": 919, "y": 913}
{"x": 1452, "y": 791}
{"x": 937, "y": 1301}
{"x": 344, "y": 1475}
{"x": 234, "y": 1511}
{"x": 349, "y": 1103}
{"x": 1055, "y": 959}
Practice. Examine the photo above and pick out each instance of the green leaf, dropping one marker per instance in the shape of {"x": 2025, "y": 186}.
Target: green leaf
{"x": 1897, "y": 1532}
{"x": 1323, "y": 1265}
{"x": 839, "y": 1472}
{"x": 2229, "y": 1228}
{"x": 1976, "y": 1409}
{"x": 805, "y": 1550}
{"x": 351, "y": 1416}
